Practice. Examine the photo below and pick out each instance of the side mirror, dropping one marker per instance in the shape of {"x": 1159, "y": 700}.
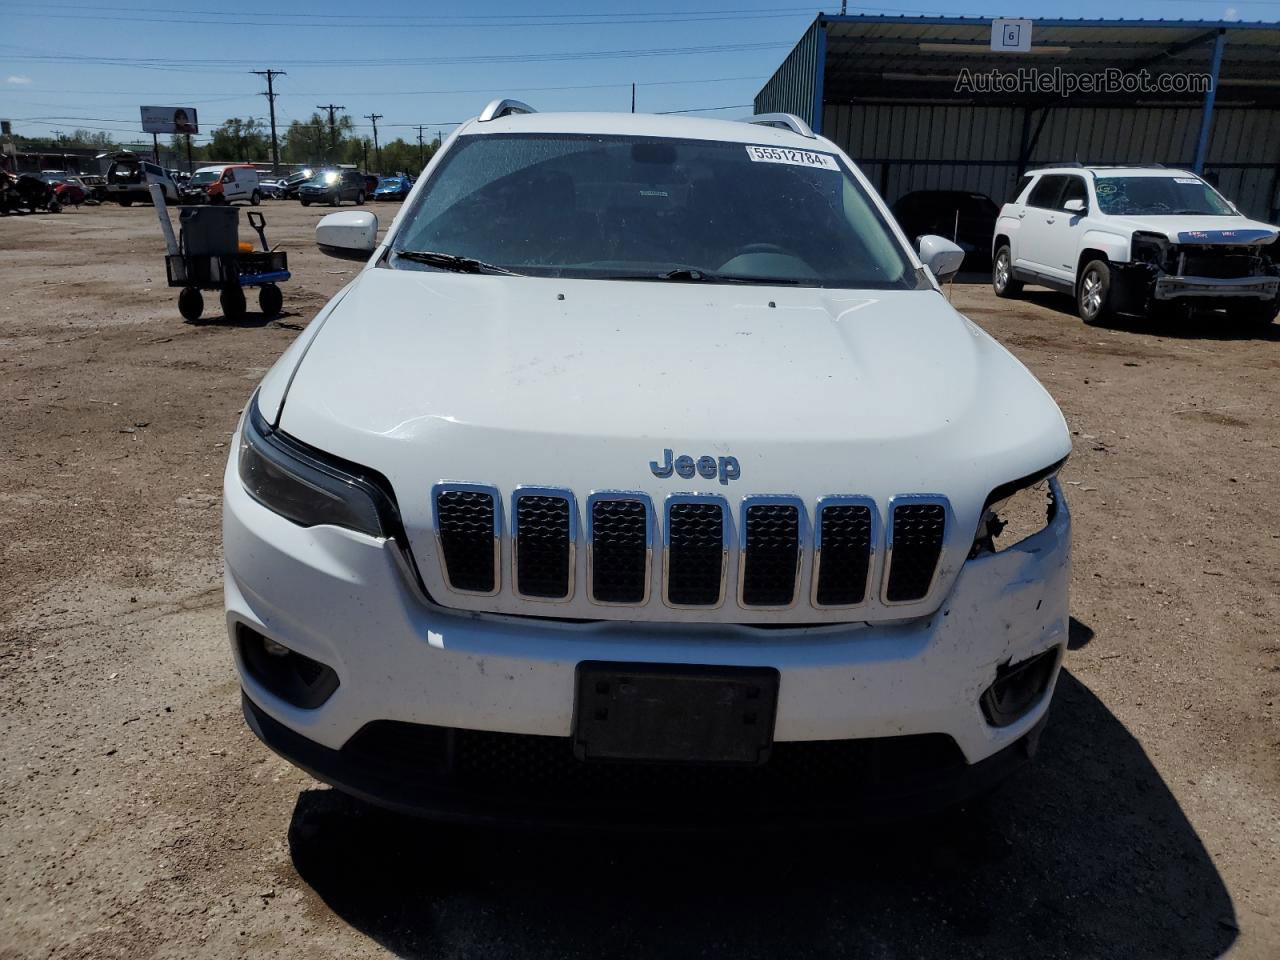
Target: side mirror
{"x": 1075, "y": 206}
{"x": 350, "y": 235}
{"x": 941, "y": 256}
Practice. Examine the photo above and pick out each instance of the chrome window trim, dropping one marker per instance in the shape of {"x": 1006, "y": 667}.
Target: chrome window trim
{"x": 844, "y": 500}
{"x": 948, "y": 531}
{"x": 650, "y": 520}
{"x": 449, "y": 486}
{"x": 563, "y": 493}
{"x": 726, "y": 538}
{"x": 771, "y": 500}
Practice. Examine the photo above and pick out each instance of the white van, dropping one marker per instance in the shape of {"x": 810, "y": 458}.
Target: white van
{"x": 129, "y": 178}
{"x": 227, "y": 182}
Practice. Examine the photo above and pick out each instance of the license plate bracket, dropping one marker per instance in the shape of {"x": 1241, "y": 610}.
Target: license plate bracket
{"x": 678, "y": 713}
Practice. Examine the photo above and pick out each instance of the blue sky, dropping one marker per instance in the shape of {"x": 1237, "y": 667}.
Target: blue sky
{"x": 376, "y": 58}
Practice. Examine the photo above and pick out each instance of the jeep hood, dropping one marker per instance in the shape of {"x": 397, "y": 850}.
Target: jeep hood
{"x": 427, "y": 376}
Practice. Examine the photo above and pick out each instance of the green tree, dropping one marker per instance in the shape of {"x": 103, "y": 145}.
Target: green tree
{"x": 237, "y": 139}
{"x": 312, "y": 142}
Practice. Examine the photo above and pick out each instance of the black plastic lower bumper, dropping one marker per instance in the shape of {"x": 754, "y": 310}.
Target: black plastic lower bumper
{"x": 483, "y": 777}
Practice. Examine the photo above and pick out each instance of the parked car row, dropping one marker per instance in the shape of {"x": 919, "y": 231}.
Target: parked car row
{"x": 129, "y": 180}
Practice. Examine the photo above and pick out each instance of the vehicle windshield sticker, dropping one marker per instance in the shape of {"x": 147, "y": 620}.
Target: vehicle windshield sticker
{"x": 1105, "y": 188}
{"x": 1185, "y": 180}
{"x": 798, "y": 158}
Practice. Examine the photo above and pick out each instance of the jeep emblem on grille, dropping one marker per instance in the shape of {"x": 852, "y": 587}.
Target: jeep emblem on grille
{"x": 726, "y": 468}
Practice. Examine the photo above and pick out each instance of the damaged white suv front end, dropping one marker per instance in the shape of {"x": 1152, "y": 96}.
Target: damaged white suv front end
{"x": 645, "y": 475}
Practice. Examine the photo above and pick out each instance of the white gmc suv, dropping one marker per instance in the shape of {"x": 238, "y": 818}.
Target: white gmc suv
{"x": 1137, "y": 240}
{"x": 644, "y": 474}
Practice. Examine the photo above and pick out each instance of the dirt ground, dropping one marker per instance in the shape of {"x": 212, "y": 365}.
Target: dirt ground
{"x": 139, "y": 818}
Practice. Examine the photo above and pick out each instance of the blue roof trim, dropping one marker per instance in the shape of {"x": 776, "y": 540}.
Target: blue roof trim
{"x": 974, "y": 21}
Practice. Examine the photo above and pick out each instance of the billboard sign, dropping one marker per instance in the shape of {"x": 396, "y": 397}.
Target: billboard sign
{"x": 169, "y": 120}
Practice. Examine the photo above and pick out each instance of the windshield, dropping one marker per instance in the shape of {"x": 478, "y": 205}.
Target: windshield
{"x": 326, "y": 179}
{"x": 205, "y": 176}
{"x": 1134, "y": 196}
{"x": 389, "y": 182}
{"x": 592, "y": 206}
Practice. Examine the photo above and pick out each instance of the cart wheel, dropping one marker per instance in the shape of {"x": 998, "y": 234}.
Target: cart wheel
{"x": 232, "y": 301}
{"x": 190, "y": 303}
{"x": 270, "y": 300}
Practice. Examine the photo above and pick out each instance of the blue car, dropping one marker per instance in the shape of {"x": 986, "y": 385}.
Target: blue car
{"x": 393, "y": 188}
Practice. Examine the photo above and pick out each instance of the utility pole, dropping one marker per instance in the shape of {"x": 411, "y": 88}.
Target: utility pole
{"x": 422, "y": 161}
{"x": 377, "y": 153}
{"x": 633, "y": 98}
{"x": 333, "y": 130}
{"x": 271, "y": 100}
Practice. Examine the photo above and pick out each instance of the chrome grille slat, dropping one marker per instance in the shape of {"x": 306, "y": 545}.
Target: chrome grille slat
{"x": 769, "y": 557}
{"x": 543, "y": 535}
{"x": 468, "y": 520}
{"x": 844, "y": 541}
{"x": 619, "y": 548}
{"x": 917, "y": 530}
{"x": 696, "y": 548}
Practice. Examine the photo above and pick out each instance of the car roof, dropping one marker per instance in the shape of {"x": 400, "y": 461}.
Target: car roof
{"x": 1119, "y": 171}
{"x": 645, "y": 125}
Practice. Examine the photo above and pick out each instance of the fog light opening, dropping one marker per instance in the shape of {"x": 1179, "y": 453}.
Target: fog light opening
{"x": 1018, "y": 688}
{"x": 293, "y": 677}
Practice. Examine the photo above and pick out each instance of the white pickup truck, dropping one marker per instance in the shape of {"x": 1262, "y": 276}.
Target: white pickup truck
{"x": 644, "y": 473}
{"x": 1137, "y": 240}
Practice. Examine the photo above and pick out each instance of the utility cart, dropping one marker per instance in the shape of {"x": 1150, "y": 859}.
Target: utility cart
{"x": 208, "y": 255}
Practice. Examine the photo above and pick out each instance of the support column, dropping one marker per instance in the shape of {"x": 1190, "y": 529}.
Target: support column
{"x": 1206, "y": 114}
{"x": 819, "y": 78}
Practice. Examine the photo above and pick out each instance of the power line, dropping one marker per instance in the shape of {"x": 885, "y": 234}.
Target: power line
{"x": 271, "y": 99}
{"x": 161, "y": 63}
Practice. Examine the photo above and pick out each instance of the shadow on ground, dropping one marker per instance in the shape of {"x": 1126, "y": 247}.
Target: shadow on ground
{"x": 1087, "y": 854}
{"x": 1202, "y": 325}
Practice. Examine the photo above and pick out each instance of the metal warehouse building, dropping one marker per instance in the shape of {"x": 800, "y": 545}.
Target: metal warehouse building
{"x": 885, "y": 89}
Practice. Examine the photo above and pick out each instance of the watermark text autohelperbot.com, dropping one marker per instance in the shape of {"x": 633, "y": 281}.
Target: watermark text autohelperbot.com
{"x": 1065, "y": 83}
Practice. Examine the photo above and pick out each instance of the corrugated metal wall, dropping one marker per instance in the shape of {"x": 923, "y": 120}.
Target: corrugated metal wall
{"x": 791, "y": 88}
{"x": 905, "y": 147}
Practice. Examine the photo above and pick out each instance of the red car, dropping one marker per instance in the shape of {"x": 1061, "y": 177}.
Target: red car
{"x": 68, "y": 189}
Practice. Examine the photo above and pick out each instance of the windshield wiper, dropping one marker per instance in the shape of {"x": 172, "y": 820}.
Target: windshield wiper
{"x": 693, "y": 275}
{"x": 453, "y": 262}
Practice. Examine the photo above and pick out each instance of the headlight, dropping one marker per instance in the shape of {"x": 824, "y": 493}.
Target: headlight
{"x": 1149, "y": 248}
{"x": 1015, "y": 511}
{"x": 309, "y": 487}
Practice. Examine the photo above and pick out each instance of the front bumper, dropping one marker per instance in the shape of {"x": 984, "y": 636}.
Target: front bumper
{"x": 346, "y": 600}
{"x": 1252, "y": 288}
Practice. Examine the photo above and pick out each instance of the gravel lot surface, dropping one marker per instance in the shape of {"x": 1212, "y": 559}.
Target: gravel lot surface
{"x": 139, "y": 818}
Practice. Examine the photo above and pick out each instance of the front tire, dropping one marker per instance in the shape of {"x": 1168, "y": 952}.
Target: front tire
{"x": 335, "y": 198}
{"x": 1003, "y": 282}
{"x": 360, "y": 199}
{"x": 190, "y": 303}
{"x": 233, "y": 303}
{"x": 1093, "y": 293}
{"x": 305, "y": 203}
{"x": 256, "y": 198}
{"x": 270, "y": 300}
{"x": 126, "y": 203}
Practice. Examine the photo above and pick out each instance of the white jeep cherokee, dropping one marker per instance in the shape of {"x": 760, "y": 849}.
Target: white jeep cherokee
{"x": 645, "y": 474}
{"x": 1140, "y": 240}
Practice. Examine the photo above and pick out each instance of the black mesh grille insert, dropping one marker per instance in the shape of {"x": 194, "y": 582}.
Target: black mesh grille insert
{"x": 917, "y": 543}
{"x": 464, "y": 520}
{"x": 772, "y": 555}
{"x": 846, "y": 554}
{"x": 618, "y": 551}
{"x": 695, "y": 559}
{"x": 542, "y": 546}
